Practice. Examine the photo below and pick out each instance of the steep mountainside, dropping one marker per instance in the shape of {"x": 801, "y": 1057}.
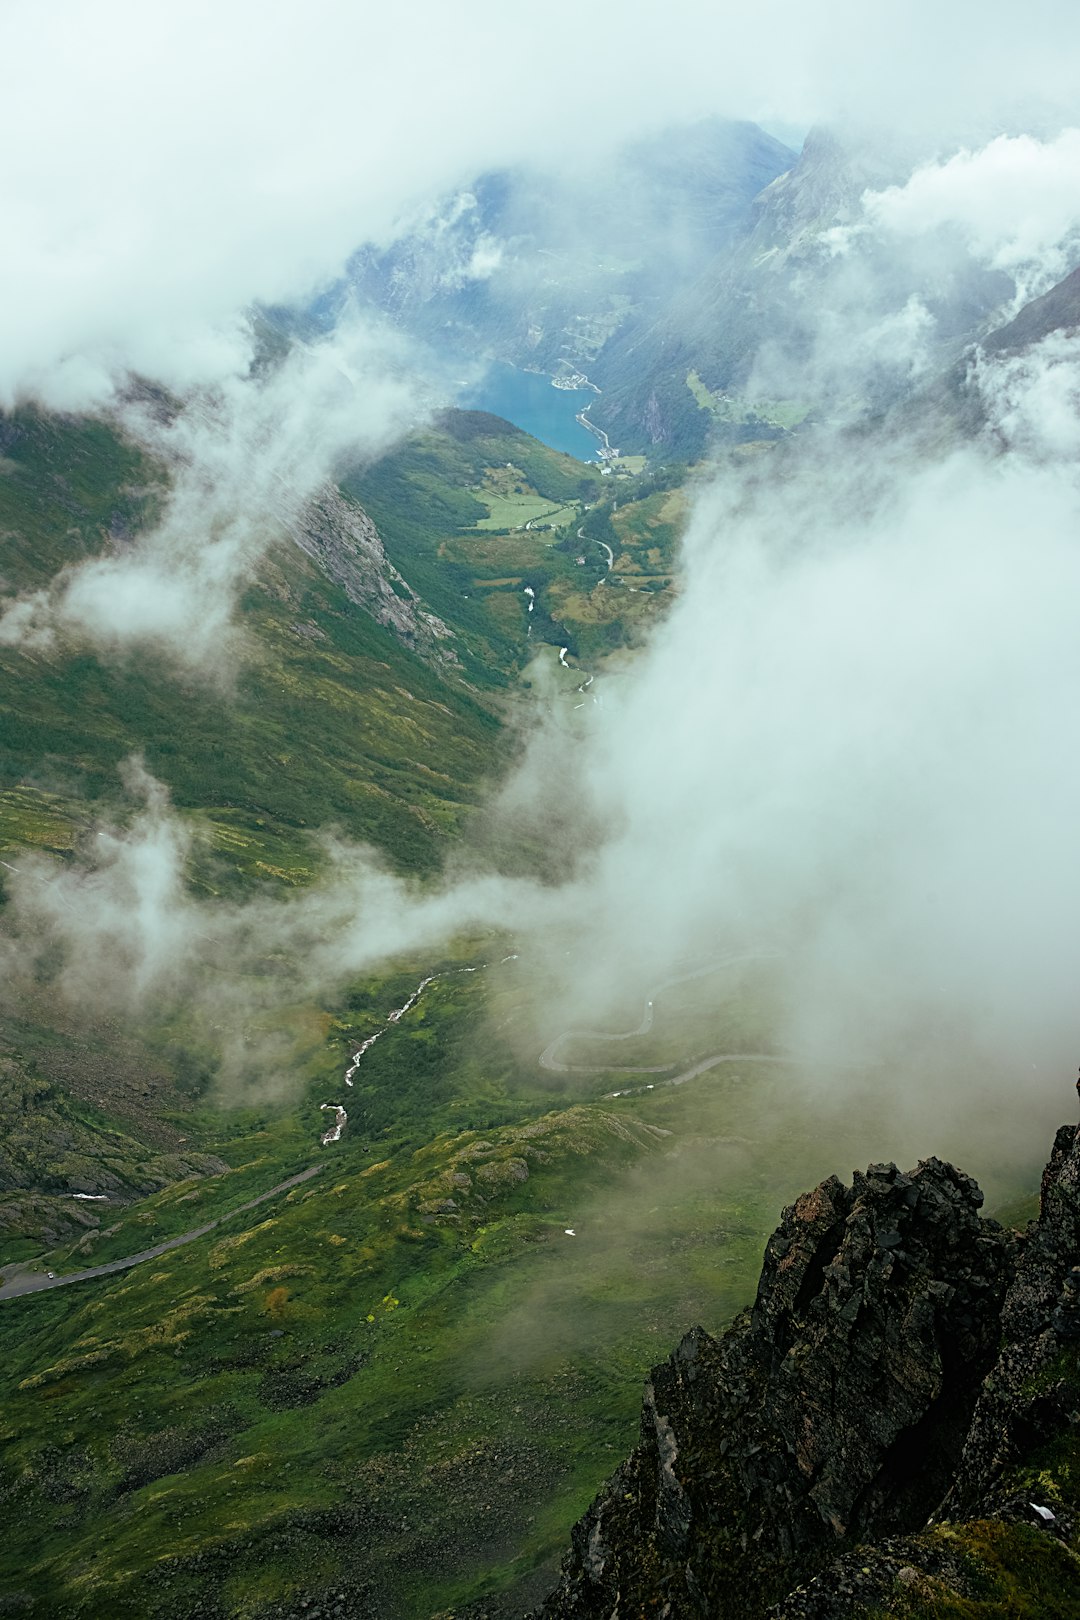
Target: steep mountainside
{"x": 333, "y": 639}
{"x": 516, "y": 544}
{"x": 542, "y": 270}
{"x": 351, "y": 708}
{"x": 299, "y": 1407}
{"x": 380, "y": 643}
{"x": 751, "y": 348}
{"x": 904, "y": 1358}
{"x": 953, "y": 404}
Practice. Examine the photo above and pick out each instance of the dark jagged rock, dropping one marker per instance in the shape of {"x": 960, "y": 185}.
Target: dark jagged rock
{"x": 833, "y": 1411}
{"x": 1032, "y": 1396}
{"x": 1008, "y": 1532}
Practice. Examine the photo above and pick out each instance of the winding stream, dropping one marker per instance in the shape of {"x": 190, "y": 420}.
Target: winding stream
{"x": 21, "y": 1280}
{"x": 341, "y": 1119}
{"x": 392, "y": 1018}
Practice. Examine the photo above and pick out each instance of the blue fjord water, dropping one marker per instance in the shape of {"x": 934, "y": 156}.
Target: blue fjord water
{"x": 530, "y": 402}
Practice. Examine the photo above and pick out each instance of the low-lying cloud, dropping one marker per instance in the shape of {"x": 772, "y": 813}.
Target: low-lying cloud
{"x": 243, "y": 457}
{"x": 121, "y": 931}
{"x": 848, "y": 742}
{"x": 1013, "y": 204}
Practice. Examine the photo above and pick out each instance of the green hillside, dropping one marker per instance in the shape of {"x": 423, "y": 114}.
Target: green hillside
{"x": 331, "y": 722}
{"x": 475, "y": 510}
{"x": 401, "y": 1380}
{"x": 390, "y": 1388}
{"x": 396, "y": 1385}
{"x": 328, "y": 718}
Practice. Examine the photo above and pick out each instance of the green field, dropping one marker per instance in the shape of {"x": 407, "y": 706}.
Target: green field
{"x": 776, "y": 413}
{"x": 507, "y": 512}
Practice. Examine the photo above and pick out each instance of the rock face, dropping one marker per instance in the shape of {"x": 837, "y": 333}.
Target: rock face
{"x": 1006, "y": 1537}
{"x": 342, "y": 539}
{"x": 838, "y": 1409}
{"x": 1032, "y": 1396}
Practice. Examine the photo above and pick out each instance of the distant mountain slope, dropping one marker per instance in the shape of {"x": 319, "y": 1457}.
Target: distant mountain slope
{"x": 279, "y": 756}
{"x": 452, "y": 503}
{"x": 515, "y": 544}
{"x": 1056, "y": 311}
{"x": 746, "y": 350}
{"x": 542, "y": 270}
{"x": 953, "y": 403}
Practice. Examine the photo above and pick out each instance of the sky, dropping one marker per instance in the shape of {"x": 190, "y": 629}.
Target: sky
{"x": 165, "y": 165}
{"x": 849, "y": 740}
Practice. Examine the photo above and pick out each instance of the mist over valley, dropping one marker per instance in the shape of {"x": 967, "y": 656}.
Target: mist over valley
{"x": 538, "y": 673}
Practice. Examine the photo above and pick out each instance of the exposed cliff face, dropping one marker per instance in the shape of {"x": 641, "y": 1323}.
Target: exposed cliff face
{"x": 901, "y": 1352}
{"x": 1030, "y": 1396}
{"x": 345, "y": 543}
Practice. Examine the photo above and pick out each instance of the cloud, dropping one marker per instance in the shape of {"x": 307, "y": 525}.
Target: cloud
{"x": 120, "y": 930}
{"x": 245, "y": 455}
{"x": 124, "y": 904}
{"x": 167, "y": 167}
{"x": 1013, "y": 203}
{"x": 165, "y": 171}
{"x": 877, "y": 290}
{"x": 1033, "y": 398}
{"x": 127, "y": 931}
{"x": 848, "y": 741}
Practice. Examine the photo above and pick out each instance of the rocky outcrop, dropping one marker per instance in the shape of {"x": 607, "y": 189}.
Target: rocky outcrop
{"x": 1031, "y": 1396}
{"x": 1006, "y": 1535}
{"x": 867, "y": 1383}
{"x": 342, "y": 539}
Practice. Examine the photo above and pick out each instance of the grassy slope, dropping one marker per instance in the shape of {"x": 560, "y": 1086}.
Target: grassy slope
{"x": 328, "y": 720}
{"x": 331, "y": 723}
{"x": 427, "y": 499}
{"x": 392, "y": 1379}
{"x": 401, "y": 1382}
{"x": 404, "y": 1379}
{"x": 451, "y": 505}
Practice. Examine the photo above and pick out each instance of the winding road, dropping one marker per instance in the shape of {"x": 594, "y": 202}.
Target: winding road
{"x": 603, "y": 547}
{"x": 18, "y": 1281}
{"x": 549, "y": 1059}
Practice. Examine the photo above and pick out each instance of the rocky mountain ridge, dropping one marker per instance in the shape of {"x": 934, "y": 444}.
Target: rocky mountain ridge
{"x": 891, "y": 1429}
